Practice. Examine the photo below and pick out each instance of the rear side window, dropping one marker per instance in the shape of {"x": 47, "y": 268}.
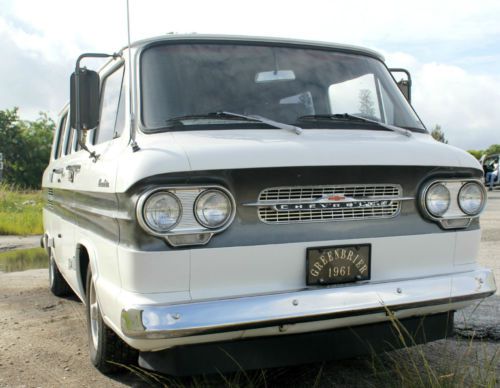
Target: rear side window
{"x": 112, "y": 107}
{"x": 61, "y": 136}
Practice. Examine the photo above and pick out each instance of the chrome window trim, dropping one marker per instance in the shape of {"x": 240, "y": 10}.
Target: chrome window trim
{"x": 442, "y": 219}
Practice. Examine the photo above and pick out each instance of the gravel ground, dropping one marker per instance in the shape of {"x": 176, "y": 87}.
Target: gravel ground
{"x": 43, "y": 339}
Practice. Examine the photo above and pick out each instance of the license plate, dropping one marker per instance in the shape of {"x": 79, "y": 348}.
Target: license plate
{"x": 338, "y": 264}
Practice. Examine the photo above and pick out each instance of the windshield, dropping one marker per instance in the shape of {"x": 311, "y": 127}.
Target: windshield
{"x": 189, "y": 81}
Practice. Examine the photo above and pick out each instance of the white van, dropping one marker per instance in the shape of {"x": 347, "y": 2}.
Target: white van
{"x": 224, "y": 202}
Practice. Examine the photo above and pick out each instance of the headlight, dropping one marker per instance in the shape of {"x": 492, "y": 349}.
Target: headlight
{"x": 437, "y": 199}
{"x": 162, "y": 211}
{"x": 213, "y": 209}
{"x": 471, "y": 198}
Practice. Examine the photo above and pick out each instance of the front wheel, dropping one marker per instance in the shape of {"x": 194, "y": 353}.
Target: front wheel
{"x": 108, "y": 352}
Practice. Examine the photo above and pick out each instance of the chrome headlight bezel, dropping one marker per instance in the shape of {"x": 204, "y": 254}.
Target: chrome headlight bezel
{"x": 454, "y": 217}
{"x": 188, "y": 230}
{"x": 428, "y": 192}
{"x": 483, "y": 198}
{"x": 141, "y": 209}
{"x": 199, "y": 217}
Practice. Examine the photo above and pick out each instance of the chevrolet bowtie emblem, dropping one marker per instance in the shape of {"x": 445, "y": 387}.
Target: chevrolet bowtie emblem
{"x": 332, "y": 198}
{"x": 336, "y": 198}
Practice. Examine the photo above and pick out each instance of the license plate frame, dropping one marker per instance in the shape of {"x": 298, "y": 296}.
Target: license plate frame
{"x": 338, "y": 266}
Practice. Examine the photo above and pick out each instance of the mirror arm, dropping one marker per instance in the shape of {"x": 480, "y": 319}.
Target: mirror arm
{"x": 401, "y": 70}
{"x": 78, "y": 128}
{"x": 83, "y": 146}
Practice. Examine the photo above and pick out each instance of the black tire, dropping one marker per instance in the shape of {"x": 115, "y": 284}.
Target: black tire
{"x": 107, "y": 351}
{"x": 58, "y": 285}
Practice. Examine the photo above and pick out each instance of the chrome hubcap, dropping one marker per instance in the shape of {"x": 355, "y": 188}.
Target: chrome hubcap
{"x": 94, "y": 315}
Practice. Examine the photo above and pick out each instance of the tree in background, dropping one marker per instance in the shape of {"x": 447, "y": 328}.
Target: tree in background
{"x": 476, "y": 153}
{"x": 366, "y": 104}
{"x": 493, "y": 149}
{"x": 25, "y": 146}
{"x": 12, "y": 143}
{"x": 438, "y": 134}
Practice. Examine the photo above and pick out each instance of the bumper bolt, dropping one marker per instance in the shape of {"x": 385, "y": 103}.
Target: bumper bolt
{"x": 399, "y": 290}
{"x": 295, "y": 302}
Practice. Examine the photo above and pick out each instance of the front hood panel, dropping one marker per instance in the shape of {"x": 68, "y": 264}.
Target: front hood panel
{"x": 211, "y": 150}
{"x": 183, "y": 151}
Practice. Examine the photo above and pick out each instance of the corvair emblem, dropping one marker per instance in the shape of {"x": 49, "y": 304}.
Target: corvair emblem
{"x": 102, "y": 183}
{"x": 336, "y": 201}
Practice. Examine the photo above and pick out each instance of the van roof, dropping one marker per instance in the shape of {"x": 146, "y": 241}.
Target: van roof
{"x": 257, "y": 39}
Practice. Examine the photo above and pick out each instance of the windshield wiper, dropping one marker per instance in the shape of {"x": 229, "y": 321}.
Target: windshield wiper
{"x": 264, "y": 120}
{"x": 351, "y": 117}
{"x": 231, "y": 115}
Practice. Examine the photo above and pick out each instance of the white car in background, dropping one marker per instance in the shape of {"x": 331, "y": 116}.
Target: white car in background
{"x": 223, "y": 202}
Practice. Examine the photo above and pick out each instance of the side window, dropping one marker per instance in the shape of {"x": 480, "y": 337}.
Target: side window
{"x": 61, "y": 136}
{"x": 120, "y": 115}
{"x": 387, "y": 106}
{"x": 69, "y": 144}
{"x": 356, "y": 96}
{"x": 111, "y": 107}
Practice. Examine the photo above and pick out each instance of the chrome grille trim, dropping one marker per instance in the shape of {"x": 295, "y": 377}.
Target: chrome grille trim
{"x": 271, "y": 197}
{"x": 50, "y": 198}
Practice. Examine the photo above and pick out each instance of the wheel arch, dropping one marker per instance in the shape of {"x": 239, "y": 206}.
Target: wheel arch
{"x": 85, "y": 255}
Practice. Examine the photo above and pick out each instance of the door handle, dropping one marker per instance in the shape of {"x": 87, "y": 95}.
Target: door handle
{"x": 72, "y": 169}
{"x": 59, "y": 171}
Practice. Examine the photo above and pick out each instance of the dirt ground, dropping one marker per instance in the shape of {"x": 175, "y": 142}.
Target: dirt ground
{"x": 43, "y": 339}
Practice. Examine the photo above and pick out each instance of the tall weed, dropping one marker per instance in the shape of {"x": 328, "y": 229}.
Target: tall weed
{"x": 20, "y": 211}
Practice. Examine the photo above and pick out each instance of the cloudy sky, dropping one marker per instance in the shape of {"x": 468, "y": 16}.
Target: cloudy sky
{"x": 452, "y": 48}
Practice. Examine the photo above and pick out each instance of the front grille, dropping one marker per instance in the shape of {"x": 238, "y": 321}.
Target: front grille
{"x": 307, "y": 194}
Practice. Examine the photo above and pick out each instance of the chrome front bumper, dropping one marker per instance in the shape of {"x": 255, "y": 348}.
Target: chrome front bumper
{"x": 219, "y": 316}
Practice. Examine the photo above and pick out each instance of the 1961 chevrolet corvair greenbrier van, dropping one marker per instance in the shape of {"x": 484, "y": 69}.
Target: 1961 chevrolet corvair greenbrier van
{"x": 232, "y": 202}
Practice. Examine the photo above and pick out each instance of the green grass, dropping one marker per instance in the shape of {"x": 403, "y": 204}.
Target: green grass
{"x": 450, "y": 363}
{"x": 21, "y": 260}
{"x": 20, "y": 211}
